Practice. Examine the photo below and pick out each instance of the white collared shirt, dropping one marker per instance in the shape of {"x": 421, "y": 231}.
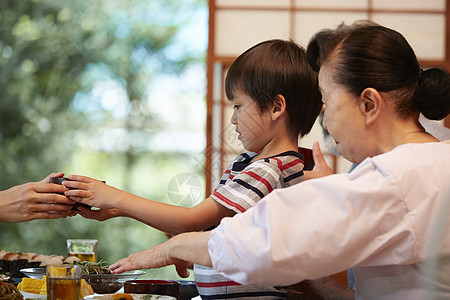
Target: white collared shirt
{"x": 376, "y": 219}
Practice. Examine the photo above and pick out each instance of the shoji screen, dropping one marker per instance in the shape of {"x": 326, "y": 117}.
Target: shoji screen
{"x": 235, "y": 25}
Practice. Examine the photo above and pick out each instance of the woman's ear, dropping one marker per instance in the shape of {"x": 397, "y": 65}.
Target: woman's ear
{"x": 370, "y": 104}
{"x": 279, "y": 107}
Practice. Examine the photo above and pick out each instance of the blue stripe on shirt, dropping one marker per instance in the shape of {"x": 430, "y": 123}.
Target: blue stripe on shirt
{"x": 250, "y": 187}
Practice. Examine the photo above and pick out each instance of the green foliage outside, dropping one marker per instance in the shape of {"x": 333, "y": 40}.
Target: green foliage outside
{"x": 76, "y": 81}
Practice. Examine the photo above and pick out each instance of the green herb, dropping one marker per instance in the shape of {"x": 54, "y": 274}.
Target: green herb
{"x": 88, "y": 267}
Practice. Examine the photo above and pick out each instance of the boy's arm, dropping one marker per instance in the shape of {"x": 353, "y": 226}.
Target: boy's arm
{"x": 165, "y": 217}
{"x": 175, "y": 219}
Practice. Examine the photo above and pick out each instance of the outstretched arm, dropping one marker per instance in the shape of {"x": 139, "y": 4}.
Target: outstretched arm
{"x": 178, "y": 251}
{"x": 165, "y": 217}
{"x": 34, "y": 200}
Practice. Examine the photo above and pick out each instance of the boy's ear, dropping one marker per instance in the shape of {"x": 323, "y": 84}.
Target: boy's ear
{"x": 371, "y": 101}
{"x": 279, "y": 107}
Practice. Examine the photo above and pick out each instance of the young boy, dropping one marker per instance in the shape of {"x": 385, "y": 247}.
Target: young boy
{"x": 276, "y": 99}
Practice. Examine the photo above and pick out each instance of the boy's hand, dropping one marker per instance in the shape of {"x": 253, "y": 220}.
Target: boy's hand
{"x": 90, "y": 191}
{"x": 321, "y": 168}
{"x": 101, "y": 214}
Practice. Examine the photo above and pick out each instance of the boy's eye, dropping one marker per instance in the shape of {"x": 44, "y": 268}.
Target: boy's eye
{"x": 235, "y": 107}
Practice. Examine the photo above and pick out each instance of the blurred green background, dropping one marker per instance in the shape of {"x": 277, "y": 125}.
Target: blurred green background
{"x": 111, "y": 89}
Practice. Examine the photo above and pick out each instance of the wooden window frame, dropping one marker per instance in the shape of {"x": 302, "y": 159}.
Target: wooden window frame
{"x": 225, "y": 62}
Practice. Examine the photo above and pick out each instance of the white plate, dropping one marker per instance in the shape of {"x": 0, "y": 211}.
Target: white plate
{"x": 102, "y": 296}
{"x": 135, "y": 297}
{"x": 32, "y": 296}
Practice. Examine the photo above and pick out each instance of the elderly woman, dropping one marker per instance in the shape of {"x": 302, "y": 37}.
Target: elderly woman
{"x": 376, "y": 218}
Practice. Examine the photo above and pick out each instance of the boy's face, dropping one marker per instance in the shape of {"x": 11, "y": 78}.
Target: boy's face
{"x": 252, "y": 125}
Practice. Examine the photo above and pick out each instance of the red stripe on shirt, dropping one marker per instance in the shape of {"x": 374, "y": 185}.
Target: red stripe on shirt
{"x": 279, "y": 162}
{"x": 215, "y": 284}
{"x": 260, "y": 179}
{"x": 292, "y": 163}
{"x": 227, "y": 201}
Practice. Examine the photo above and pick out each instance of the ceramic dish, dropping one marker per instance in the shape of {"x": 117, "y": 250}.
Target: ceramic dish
{"x": 110, "y": 283}
{"x": 151, "y": 286}
{"x": 188, "y": 290}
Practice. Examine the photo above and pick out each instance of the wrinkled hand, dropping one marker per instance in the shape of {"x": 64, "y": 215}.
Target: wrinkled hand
{"x": 321, "y": 168}
{"x": 156, "y": 257}
{"x": 34, "y": 200}
{"x": 89, "y": 191}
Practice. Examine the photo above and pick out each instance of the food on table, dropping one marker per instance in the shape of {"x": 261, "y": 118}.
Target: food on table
{"x": 86, "y": 289}
{"x": 34, "y": 286}
{"x": 70, "y": 259}
{"x": 93, "y": 267}
{"x": 100, "y": 284}
{"x": 13, "y": 262}
{"x": 39, "y": 286}
{"x": 100, "y": 278}
{"x": 5, "y": 276}
{"x": 122, "y": 296}
{"x": 9, "y": 292}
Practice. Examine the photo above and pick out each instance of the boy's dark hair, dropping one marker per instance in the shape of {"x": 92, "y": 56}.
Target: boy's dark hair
{"x": 278, "y": 67}
{"x": 370, "y": 55}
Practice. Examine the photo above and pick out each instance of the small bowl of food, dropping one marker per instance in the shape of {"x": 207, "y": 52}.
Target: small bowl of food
{"x": 155, "y": 287}
{"x": 102, "y": 280}
{"x": 110, "y": 283}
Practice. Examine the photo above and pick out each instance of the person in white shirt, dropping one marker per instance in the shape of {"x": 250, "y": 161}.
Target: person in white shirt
{"x": 379, "y": 218}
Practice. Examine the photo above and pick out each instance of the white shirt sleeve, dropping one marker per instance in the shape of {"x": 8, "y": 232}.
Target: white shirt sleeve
{"x": 316, "y": 228}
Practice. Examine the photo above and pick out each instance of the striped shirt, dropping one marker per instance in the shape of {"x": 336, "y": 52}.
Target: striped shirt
{"x": 242, "y": 185}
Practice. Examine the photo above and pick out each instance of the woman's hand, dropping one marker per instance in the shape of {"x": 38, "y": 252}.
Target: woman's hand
{"x": 35, "y": 200}
{"x": 179, "y": 251}
{"x": 321, "y": 168}
{"x": 156, "y": 257}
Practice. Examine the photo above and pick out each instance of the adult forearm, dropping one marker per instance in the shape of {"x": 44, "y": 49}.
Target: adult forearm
{"x": 181, "y": 249}
{"x": 191, "y": 247}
